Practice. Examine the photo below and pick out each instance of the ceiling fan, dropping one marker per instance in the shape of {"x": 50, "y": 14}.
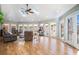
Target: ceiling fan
{"x": 27, "y": 10}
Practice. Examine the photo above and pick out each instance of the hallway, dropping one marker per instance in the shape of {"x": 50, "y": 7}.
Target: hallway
{"x": 39, "y": 46}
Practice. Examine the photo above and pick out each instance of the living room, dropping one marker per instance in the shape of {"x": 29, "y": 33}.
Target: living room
{"x": 39, "y": 29}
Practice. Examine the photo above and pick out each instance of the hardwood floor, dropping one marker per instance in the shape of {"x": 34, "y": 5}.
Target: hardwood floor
{"x": 39, "y": 46}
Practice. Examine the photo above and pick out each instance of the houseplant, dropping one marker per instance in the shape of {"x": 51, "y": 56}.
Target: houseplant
{"x": 1, "y": 22}
{"x": 1, "y": 17}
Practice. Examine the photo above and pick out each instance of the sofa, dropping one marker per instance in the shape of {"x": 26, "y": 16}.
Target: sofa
{"x": 9, "y": 37}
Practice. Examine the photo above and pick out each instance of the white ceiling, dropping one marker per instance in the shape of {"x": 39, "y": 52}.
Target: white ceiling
{"x": 46, "y": 11}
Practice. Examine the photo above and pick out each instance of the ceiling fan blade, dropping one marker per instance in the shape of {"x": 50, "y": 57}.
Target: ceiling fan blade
{"x": 31, "y": 12}
{"x": 29, "y": 9}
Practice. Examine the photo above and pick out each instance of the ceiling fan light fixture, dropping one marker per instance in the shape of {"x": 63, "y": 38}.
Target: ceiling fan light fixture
{"x": 28, "y": 11}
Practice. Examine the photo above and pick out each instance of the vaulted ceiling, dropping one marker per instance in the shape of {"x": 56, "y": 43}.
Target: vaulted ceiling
{"x": 45, "y": 12}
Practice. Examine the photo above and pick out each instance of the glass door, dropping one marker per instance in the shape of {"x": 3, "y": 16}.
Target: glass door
{"x": 52, "y": 29}
{"x": 46, "y": 29}
{"x": 30, "y": 27}
{"x": 41, "y": 30}
{"x": 25, "y": 27}
{"x": 35, "y": 29}
{"x": 21, "y": 30}
{"x": 62, "y": 28}
{"x": 70, "y": 29}
{"x": 14, "y": 29}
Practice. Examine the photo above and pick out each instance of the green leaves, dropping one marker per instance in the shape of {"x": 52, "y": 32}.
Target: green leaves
{"x": 1, "y": 17}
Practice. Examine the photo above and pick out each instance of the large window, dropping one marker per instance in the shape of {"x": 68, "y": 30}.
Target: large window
{"x": 70, "y": 28}
{"x": 77, "y": 28}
